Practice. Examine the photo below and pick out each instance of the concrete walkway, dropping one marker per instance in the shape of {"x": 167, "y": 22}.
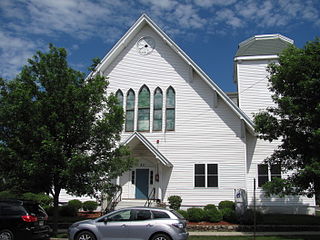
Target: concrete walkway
{"x": 306, "y": 233}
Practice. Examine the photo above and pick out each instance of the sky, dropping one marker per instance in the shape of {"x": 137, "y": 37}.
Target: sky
{"x": 209, "y": 31}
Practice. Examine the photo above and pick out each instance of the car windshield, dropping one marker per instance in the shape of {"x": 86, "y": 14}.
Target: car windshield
{"x": 178, "y": 215}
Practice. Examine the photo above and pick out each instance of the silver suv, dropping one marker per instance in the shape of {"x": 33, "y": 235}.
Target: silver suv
{"x": 132, "y": 223}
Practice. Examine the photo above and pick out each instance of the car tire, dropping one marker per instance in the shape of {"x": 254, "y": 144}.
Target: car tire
{"x": 86, "y": 235}
{"x": 6, "y": 234}
{"x": 161, "y": 236}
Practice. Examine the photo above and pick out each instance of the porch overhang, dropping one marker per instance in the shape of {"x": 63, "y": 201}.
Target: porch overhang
{"x": 140, "y": 138}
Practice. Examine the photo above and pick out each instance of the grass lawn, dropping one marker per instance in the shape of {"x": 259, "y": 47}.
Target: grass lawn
{"x": 257, "y": 238}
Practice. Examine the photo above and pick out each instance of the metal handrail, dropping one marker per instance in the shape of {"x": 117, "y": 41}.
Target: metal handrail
{"x": 114, "y": 200}
{"x": 152, "y": 193}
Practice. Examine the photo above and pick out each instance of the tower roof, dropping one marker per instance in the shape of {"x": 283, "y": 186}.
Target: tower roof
{"x": 271, "y": 44}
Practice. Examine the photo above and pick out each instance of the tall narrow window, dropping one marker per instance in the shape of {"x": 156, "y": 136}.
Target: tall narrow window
{"x": 157, "y": 110}
{"x": 170, "y": 109}
{"x": 199, "y": 175}
{"x": 212, "y": 175}
{"x": 144, "y": 109}
{"x": 275, "y": 171}
{"x": 262, "y": 174}
{"x": 130, "y": 111}
{"x": 119, "y": 96}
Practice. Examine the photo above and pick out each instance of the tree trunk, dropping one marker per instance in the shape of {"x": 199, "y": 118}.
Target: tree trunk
{"x": 55, "y": 211}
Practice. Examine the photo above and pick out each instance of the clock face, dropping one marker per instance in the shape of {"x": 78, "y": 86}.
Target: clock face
{"x": 146, "y": 45}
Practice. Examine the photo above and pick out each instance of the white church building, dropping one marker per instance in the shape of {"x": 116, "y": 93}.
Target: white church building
{"x": 190, "y": 138}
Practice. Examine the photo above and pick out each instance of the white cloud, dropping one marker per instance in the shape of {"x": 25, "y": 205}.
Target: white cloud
{"x": 228, "y": 16}
{"x": 210, "y": 3}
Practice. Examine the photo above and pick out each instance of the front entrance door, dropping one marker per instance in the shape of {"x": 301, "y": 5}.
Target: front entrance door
{"x": 142, "y": 183}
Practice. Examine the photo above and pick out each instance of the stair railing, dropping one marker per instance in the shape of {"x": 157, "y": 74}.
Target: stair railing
{"x": 151, "y": 197}
{"x": 116, "y": 198}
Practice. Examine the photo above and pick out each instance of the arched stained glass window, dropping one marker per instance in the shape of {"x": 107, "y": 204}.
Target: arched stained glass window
{"x": 170, "y": 109}
{"x": 119, "y": 96}
{"x": 144, "y": 109}
{"x": 157, "y": 110}
{"x": 130, "y": 111}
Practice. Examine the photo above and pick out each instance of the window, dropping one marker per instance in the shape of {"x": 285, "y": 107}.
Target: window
{"x": 266, "y": 174}
{"x": 158, "y": 214}
{"x": 130, "y": 111}
{"x": 206, "y": 175}
{"x": 142, "y": 215}
{"x": 157, "y": 110}
{"x": 124, "y": 215}
{"x": 133, "y": 177}
{"x": 151, "y": 177}
{"x": 119, "y": 96}
{"x": 144, "y": 109}
{"x": 170, "y": 109}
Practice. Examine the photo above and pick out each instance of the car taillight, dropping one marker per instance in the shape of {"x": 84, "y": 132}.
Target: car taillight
{"x": 29, "y": 218}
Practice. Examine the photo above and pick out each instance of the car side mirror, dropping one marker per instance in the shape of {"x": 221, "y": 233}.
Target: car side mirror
{"x": 105, "y": 220}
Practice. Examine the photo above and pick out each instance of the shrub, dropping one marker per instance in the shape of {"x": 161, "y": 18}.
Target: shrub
{"x": 226, "y": 204}
{"x": 247, "y": 217}
{"x": 67, "y": 211}
{"x": 43, "y": 199}
{"x": 7, "y": 194}
{"x": 212, "y": 214}
{"x": 210, "y": 206}
{"x": 196, "y": 214}
{"x": 76, "y": 204}
{"x": 89, "y": 206}
{"x": 183, "y": 213}
{"x": 175, "y": 202}
{"x": 229, "y": 215}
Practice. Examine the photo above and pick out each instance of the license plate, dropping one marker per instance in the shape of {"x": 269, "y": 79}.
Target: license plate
{"x": 41, "y": 223}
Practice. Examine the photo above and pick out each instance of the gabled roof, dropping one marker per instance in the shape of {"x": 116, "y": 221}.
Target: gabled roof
{"x": 148, "y": 145}
{"x": 135, "y": 28}
{"x": 271, "y": 44}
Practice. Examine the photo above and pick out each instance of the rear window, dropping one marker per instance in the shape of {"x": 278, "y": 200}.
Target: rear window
{"x": 9, "y": 209}
{"x": 178, "y": 215}
{"x": 159, "y": 214}
{"x": 34, "y": 209}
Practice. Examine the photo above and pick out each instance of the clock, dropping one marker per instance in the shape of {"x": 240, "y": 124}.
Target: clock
{"x": 146, "y": 45}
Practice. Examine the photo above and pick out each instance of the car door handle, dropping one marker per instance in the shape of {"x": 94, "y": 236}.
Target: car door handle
{"x": 149, "y": 225}
{"x": 123, "y": 225}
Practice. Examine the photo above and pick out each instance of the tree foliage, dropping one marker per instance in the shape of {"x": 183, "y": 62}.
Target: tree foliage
{"x": 59, "y": 130}
{"x": 295, "y": 84}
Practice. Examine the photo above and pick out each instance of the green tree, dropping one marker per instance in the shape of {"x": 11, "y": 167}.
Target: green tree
{"x": 295, "y": 84}
{"x": 59, "y": 130}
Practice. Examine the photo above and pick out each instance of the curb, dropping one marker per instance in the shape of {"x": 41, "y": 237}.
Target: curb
{"x": 208, "y": 234}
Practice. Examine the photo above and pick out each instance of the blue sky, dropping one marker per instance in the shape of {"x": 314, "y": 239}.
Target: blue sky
{"x": 209, "y": 31}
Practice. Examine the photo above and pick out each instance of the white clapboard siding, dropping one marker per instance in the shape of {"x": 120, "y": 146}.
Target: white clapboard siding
{"x": 203, "y": 134}
{"x": 254, "y": 94}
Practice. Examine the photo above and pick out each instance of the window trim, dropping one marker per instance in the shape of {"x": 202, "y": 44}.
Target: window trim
{"x": 269, "y": 174}
{"x": 131, "y": 110}
{"x": 170, "y": 108}
{"x": 205, "y": 175}
{"x": 116, "y": 95}
{"x": 157, "y": 109}
{"x": 141, "y": 108}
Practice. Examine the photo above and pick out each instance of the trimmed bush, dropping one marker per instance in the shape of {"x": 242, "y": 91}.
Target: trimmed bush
{"x": 183, "y": 213}
{"x": 212, "y": 214}
{"x": 76, "y": 204}
{"x": 196, "y": 214}
{"x": 7, "y": 194}
{"x": 67, "y": 211}
{"x": 89, "y": 206}
{"x": 175, "y": 202}
{"x": 210, "y": 206}
{"x": 43, "y": 199}
{"x": 229, "y": 215}
{"x": 226, "y": 204}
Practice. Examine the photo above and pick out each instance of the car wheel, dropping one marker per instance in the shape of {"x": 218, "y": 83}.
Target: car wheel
{"x": 161, "y": 236}
{"x": 6, "y": 235}
{"x": 86, "y": 235}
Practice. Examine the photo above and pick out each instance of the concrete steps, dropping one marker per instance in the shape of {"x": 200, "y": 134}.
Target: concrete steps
{"x": 124, "y": 203}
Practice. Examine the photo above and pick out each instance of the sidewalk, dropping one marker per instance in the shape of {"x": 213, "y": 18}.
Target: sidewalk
{"x": 305, "y": 233}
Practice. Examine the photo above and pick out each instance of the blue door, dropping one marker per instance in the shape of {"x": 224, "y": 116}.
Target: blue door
{"x": 142, "y": 183}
